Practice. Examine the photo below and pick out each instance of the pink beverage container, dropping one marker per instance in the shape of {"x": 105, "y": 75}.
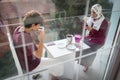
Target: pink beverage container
{"x": 77, "y": 38}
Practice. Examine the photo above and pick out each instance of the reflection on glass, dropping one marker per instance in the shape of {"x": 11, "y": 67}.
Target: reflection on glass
{"x": 60, "y": 20}
{"x": 7, "y": 64}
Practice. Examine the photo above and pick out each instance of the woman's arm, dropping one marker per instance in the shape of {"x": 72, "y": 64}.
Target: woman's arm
{"x": 87, "y": 22}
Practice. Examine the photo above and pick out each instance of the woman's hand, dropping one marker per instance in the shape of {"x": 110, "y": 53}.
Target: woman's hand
{"x": 88, "y": 28}
{"x": 84, "y": 24}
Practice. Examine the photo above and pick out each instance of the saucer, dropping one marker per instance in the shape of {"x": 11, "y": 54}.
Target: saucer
{"x": 71, "y": 47}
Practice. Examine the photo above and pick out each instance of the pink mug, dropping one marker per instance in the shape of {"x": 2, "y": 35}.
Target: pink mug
{"x": 77, "y": 38}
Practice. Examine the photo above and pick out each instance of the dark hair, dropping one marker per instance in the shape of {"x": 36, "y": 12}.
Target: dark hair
{"x": 32, "y": 17}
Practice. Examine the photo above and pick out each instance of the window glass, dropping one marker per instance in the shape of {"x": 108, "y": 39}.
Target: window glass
{"x": 63, "y": 20}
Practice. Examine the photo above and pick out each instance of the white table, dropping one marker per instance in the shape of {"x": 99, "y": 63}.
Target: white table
{"x": 63, "y": 54}
{"x": 55, "y": 52}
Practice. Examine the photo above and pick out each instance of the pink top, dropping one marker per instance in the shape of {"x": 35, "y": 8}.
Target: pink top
{"x": 32, "y": 60}
{"x": 98, "y": 36}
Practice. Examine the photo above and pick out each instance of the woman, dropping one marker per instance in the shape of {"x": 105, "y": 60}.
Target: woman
{"x": 97, "y": 26}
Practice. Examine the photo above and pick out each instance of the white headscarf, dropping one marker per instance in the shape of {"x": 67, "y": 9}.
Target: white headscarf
{"x": 97, "y": 8}
{"x": 96, "y": 23}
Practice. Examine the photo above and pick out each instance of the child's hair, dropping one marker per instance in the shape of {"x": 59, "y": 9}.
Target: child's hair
{"x": 32, "y": 17}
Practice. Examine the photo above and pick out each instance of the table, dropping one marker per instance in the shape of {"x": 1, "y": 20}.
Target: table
{"x": 55, "y": 52}
{"x": 63, "y": 54}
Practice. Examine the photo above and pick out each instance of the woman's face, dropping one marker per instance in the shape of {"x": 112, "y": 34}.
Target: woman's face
{"x": 93, "y": 14}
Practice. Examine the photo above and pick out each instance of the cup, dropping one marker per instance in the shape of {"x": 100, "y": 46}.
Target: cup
{"x": 69, "y": 38}
{"x": 77, "y": 38}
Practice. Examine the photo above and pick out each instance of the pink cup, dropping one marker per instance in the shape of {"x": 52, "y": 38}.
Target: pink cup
{"x": 77, "y": 38}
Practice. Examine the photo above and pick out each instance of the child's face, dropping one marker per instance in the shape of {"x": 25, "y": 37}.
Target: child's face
{"x": 35, "y": 27}
{"x": 93, "y": 14}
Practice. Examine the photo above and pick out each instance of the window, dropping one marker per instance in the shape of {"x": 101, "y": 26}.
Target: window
{"x": 62, "y": 17}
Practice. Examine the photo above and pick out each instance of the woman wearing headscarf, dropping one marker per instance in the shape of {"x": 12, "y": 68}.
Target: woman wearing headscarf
{"x": 97, "y": 26}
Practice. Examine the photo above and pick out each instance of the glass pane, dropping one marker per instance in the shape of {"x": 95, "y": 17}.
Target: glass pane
{"x": 7, "y": 63}
{"x": 62, "y": 17}
{"x": 96, "y": 32}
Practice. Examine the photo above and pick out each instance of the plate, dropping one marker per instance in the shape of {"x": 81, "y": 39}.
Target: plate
{"x": 71, "y": 47}
{"x": 61, "y": 45}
